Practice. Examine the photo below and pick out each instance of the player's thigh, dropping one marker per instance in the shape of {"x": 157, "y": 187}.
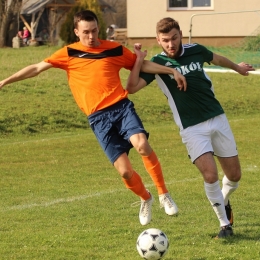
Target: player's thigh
{"x": 112, "y": 143}
{"x": 223, "y": 140}
{"x": 197, "y": 140}
{"x": 131, "y": 128}
{"x": 129, "y": 122}
{"x": 231, "y": 167}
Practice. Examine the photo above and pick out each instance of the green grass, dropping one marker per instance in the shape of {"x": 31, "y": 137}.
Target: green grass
{"x": 62, "y": 200}
{"x": 238, "y": 55}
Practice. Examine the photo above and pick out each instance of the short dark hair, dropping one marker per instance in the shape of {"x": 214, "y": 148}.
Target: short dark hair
{"x": 165, "y": 25}
{"x": 85, "y": 15}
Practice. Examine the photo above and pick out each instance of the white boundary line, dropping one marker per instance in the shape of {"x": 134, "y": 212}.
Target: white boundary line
{"x": 72, "y": 199}
{"x": 80, "y": 198}
{"x": 256, "y": 72}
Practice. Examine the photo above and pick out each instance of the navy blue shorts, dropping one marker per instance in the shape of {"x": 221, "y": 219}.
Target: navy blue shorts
{"x": 113, "y": 127}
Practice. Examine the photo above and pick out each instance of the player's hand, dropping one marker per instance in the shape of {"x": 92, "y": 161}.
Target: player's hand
{"x": 180, "y": 79}
{"x": 137, "y": 49}
{"x": 244, "y": 68}
{"x": 1, "y": 84}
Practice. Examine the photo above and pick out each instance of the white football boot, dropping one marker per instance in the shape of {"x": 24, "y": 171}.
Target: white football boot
{"x": 168, "y": 204}
{"x": 145, "y": 214}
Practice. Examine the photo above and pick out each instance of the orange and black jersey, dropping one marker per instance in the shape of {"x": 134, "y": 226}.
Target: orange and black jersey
{"x": 93, "y": 73}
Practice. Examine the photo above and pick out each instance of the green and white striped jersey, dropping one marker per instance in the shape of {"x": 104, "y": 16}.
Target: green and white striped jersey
{"x": 198, "y": 103}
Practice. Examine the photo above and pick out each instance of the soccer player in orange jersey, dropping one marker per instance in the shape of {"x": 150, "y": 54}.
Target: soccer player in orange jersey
{"x": 92, "y": 67}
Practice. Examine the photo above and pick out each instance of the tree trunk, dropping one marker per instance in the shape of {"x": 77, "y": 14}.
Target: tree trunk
{"x": 52, "y": 25}
{"x": 35, "y": 22}
{"x": 7, "y": 15}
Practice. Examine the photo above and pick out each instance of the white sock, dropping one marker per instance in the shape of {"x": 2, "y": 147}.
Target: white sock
{"x": 228, "y": 187}
{"x": 216, "y": 200}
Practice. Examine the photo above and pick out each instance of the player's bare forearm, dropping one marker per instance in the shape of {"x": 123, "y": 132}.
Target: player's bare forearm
{"x": 222, "y": 61}
{"x": 22, "y": 74}
{"x": 133, "y": 78}
{"x": 27, "y": 72}
{"x": 242, "y": 68}
{"x": 134, "y": 82}
{"x": 154, "y": 68}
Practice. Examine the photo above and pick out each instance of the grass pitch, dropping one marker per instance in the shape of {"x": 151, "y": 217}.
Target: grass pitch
{"x": 62, "y": 200}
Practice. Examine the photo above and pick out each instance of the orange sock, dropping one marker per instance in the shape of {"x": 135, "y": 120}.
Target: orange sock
{"x": 153, "y": 167}
{"x": 136, "y": 185}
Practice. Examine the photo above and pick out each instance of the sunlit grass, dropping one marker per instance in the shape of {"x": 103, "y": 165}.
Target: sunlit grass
{"x": 62, "y": 199}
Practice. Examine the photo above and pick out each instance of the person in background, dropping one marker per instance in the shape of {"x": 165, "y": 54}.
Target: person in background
{"x": 110, "y": 32}
{"x": 201, "y": 119}
{"x": 26, "y": 36}
{"x": 93, "y": 66}
{"x": 20, "y": 34}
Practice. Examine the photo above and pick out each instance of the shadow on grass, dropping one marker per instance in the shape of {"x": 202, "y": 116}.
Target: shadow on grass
{"x": 238, "y": 236}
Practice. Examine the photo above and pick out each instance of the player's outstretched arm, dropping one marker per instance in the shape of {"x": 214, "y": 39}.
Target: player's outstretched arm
{"x": 242, "y": 68}
{"x": 27, "y": 72}
{"x": 154, "y": 68}
{"x": 134, "y": 82}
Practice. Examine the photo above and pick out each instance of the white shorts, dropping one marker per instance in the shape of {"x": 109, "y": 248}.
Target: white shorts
{"x": 213, "y": 135}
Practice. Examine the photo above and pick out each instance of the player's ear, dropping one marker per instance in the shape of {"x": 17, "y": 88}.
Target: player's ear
{"x": 76, "y": 32}
{"x": 158, "y": 40}
{"x": 181, "y": 33}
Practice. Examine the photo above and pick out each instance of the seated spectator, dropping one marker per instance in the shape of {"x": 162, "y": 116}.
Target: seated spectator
{"x": 20, "y": 34}
{"x": 26, "y": 36}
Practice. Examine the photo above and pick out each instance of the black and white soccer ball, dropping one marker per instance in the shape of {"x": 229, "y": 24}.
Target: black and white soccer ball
{"x": 152, "y": 244}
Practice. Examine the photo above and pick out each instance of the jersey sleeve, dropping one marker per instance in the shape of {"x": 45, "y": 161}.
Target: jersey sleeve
{"x": 59, "y": 59}
{"x": 129, "y": 58}
{"x": 206, "y": 53}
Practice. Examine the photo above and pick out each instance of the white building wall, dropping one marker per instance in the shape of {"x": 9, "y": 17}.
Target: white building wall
{"x": 142, "y": 16}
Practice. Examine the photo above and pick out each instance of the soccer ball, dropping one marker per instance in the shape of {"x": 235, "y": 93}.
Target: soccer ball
{"x": 152, "y": 244}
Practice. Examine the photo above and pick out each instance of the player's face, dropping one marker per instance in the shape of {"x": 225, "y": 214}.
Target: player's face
{"x": 87, "y": 32}
{"x": 171, "y": 43}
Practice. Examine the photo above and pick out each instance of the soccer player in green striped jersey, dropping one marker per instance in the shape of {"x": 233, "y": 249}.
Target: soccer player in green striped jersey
{"x": 204, "y": 128}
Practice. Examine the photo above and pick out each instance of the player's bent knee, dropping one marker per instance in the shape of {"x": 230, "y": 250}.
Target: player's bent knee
{"x": 126, "y": 174}
{"x": 143, "y": 148}
{"x": 234, "y": 176}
